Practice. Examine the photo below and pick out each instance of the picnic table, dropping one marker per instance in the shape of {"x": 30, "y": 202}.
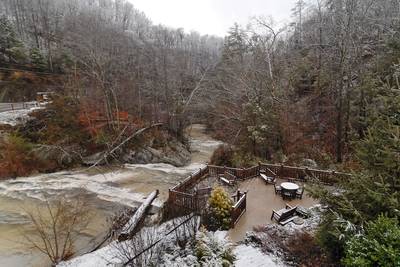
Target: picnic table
{"x": 289, "y": 190}
{"x": 289, "y": 186}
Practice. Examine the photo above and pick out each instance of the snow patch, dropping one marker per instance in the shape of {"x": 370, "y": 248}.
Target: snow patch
{"x": 250, "y": 256}
{"x": 14, "y": 117}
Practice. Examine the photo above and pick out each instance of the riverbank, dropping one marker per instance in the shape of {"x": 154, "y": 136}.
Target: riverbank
{"x": 106, "y": 190}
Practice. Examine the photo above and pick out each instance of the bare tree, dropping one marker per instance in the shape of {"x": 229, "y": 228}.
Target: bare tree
{"x": 56, "y": 229}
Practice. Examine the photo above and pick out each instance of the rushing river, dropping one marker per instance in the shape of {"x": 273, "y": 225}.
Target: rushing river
{"x": 105, "y": 191}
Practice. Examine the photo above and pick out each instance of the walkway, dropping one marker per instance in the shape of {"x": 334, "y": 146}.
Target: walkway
{"x": 261, "y": 200}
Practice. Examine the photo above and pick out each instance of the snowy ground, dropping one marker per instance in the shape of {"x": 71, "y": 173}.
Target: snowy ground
{"x": 272, "y": 238}
{"x": 246, "y": 255}
{"x": 116, "y": 253}
{"x": 14, "y": 117}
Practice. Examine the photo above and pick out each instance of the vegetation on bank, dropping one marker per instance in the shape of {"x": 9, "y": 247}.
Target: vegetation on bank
{"x": 66, "y": 132}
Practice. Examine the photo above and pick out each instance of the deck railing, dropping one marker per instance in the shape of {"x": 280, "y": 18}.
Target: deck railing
{"x": 239, "y": 208}
{"x": 304, "y": 174}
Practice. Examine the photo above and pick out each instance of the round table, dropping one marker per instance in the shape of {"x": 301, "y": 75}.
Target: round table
{"x": 289, "y": 186}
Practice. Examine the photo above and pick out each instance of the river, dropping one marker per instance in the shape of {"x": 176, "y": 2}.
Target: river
{"x": 105, "y": 191}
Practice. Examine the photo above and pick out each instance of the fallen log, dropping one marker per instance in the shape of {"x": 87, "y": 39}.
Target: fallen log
{"x": 130, "y": 227}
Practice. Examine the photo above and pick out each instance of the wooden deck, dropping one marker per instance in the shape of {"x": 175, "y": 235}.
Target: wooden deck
{"x": 261, "y": 200}
{"x": 186, "y": 197}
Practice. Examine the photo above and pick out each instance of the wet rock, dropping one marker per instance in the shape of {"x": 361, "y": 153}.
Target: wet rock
{"x": 174, "y": 153}
{"x": 142, "y": 156}
{"x": 92, "y": 159}
{"x": 63, "y": 156}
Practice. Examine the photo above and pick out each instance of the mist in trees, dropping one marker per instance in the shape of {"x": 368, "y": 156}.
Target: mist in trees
{"x": 110, "y": 55}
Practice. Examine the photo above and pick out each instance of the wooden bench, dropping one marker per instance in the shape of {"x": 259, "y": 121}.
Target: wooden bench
{"x": 268, "y": 179}
{"x": 285, "y": 215}
{"x": 228, "y": 178}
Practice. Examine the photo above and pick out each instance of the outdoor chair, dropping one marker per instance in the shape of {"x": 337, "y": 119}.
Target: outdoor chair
{"x": 302, "y": 177}
{"x": 299, "y": 192}
{"x": 278, "y": 189}
{"x": 288, "y": 194}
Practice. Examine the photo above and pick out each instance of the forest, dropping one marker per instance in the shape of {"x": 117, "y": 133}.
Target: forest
{"x": 322, "y": 91}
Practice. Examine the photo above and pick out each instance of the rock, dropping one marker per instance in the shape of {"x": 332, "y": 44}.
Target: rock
{"x": 175, "y": 154}
{"x": 92, "y": 159}
{"x": 309, "y": 163}
{"x": 55, "y": 154}
{"x": 142, "y": 156}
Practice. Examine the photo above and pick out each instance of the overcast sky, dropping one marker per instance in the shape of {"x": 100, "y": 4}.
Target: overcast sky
{"x": 212, "y": 16}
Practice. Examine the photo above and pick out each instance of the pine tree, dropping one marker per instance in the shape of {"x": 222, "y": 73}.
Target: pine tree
{"x": 375, "y": 189}
{"x": 11, "y": 48}
{"x": 379, "y": 245}
{"x": 220, "y": 207}
{"x": 37, "y": 59}
{"x": 235, "y": 45}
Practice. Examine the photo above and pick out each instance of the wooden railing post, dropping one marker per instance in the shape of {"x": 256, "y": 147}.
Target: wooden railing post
{"x": 245, "y": 200}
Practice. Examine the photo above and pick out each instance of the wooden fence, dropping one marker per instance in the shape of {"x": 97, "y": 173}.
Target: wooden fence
{"x": 240, "y": 173}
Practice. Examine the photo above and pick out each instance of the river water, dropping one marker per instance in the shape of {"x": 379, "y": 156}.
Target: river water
{"x": 105, "y": 191}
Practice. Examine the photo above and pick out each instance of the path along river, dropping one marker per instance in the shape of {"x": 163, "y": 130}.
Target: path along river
{"x": 105, "y": 191}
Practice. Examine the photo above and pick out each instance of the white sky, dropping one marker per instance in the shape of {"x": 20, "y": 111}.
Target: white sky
{"x": 212, "y": 16}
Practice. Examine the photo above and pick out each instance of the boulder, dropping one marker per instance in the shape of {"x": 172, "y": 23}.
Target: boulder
{"x": 62, "y": 156}
{"x": 174, "y": 153}
{"x": 92, "y": 159}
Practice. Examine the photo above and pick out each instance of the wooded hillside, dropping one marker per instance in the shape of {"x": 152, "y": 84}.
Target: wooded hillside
{"x": 306, "y": 90}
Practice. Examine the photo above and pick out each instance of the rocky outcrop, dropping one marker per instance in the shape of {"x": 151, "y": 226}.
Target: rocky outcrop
{"x": 174, "y": 153}
{"x": 61, "y": 156}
